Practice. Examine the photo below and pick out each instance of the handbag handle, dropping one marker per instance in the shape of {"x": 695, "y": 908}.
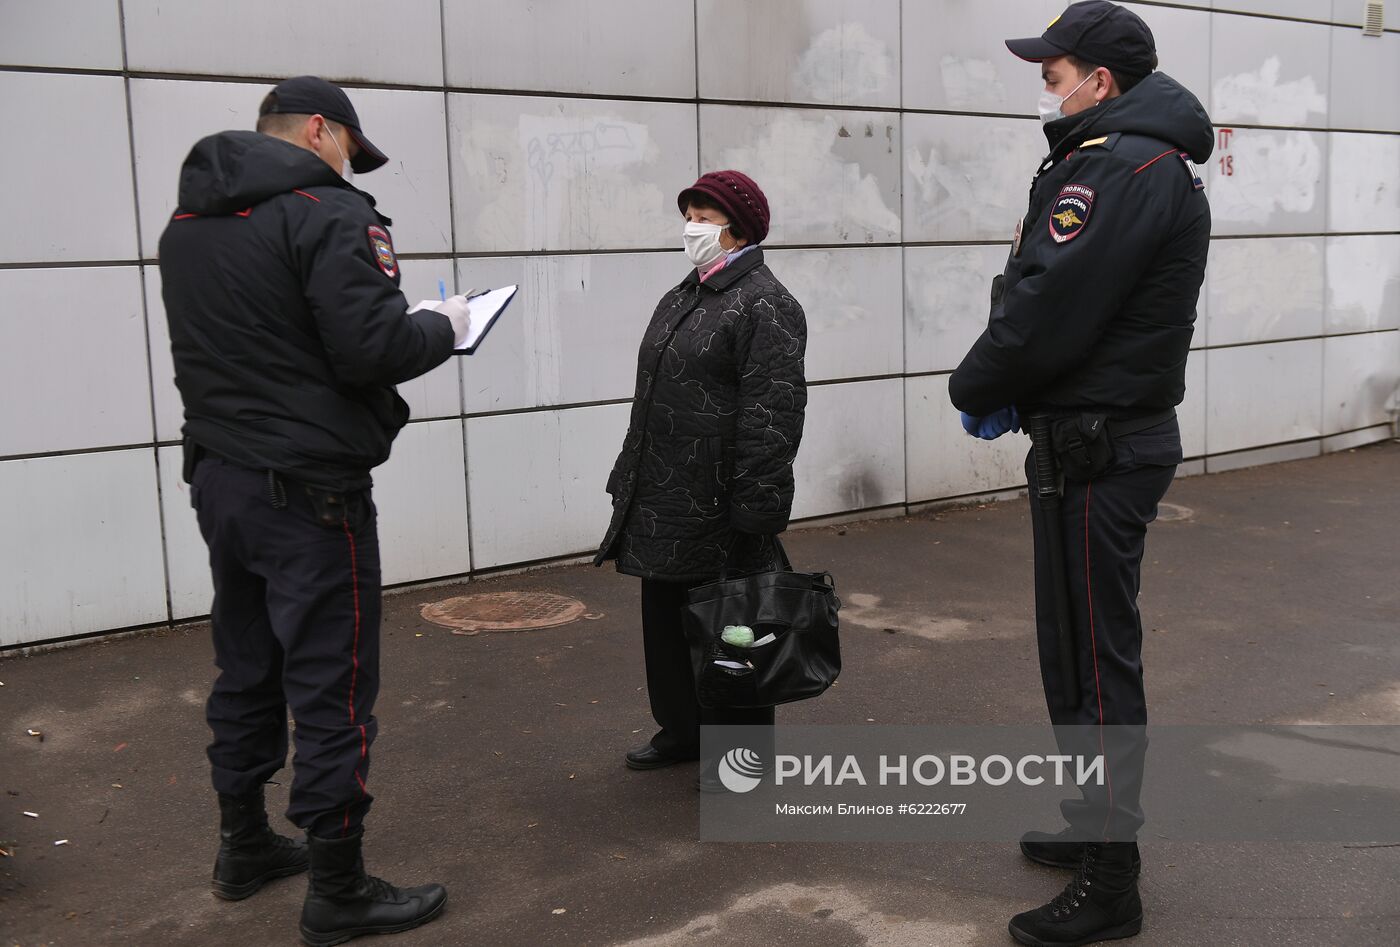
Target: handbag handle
{"x": 780, "y": 558}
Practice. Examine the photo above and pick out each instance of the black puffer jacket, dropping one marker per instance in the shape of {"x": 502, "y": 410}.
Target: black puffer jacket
{"x": 287, "y": 326}
{"x": 1096, "y": 306}
{"x": 716, "y": 421}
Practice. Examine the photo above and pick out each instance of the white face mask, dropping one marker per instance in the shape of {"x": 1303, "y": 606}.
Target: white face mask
{"x": 1050, "y": 104}
{"x": 347, "y": 172}
{"x": 702, "y": 244}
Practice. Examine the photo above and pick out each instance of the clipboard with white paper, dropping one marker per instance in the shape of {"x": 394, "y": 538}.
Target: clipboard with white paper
{"x": 485, "y": 308}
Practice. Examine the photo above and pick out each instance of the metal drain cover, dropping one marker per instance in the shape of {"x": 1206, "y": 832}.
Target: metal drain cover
{"x": 503, "y": 611}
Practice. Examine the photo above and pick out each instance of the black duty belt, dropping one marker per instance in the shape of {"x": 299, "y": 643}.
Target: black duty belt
{"x": 1134, "y": 425}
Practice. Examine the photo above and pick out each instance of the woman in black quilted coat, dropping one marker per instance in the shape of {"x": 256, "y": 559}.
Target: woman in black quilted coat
{"x": 704, "y": 478}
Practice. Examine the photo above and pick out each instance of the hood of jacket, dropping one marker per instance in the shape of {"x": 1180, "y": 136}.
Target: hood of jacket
{"x": 1158, "y": 106}
{"x": 233, "y": 170}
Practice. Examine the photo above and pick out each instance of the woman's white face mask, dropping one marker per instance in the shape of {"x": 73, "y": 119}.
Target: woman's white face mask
{"x": 702, "y": 246}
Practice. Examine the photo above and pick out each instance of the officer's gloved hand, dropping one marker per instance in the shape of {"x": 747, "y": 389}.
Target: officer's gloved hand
{"x": 455, "y": 308}
{"x": 993, "y": 425}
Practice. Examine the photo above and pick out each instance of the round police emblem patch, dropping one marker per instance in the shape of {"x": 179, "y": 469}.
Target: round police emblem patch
{"x": 1070, "y": 212}
{"x": 383, "y": 251}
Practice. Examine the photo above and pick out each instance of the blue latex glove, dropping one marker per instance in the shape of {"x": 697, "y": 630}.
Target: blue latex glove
{"x": 993, "y": 425}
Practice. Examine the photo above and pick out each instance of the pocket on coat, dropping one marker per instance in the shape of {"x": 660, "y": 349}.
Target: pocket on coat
{"x": 717, "y": 466}
{"x": 1155, "y": 451}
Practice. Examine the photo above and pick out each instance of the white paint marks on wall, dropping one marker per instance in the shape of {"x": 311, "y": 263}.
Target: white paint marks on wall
{"x": 1275, "y": 172}
{"x": 1265, "y": 289}
{"x": 577, "y": 166}
{"x": 844, "y": 64}
{"x": 809, "y": 187}
{"x": 972, "y": 83}
{"x": 544, "y": 343}
{"x": 1365, "y": 183}
{"x": 1363, "y": 283}
{"x": 1261, "y": 96}
{"x": 969, "y": 186}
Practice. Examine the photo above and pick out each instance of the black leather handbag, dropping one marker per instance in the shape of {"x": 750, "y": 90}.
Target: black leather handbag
{"x": 796, "y": 653}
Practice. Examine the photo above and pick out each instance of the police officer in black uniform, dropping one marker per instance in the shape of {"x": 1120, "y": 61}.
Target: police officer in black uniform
{"x": 1090, "y": 327}
{"x": 289, "y": 332}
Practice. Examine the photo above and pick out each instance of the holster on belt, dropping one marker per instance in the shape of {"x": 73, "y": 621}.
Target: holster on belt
{"x": 1083, "y": 442}
{"x": 192, "y": 453}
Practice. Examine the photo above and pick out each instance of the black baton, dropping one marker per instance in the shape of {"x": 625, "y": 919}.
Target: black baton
{"x": 1047, "y": 490}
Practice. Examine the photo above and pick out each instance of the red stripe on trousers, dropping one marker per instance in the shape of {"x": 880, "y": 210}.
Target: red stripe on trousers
{"x": 355, "y": 667}
{"x": 1094, "y": 645}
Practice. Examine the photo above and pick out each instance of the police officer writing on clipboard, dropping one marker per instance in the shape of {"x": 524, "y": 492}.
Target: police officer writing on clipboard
{"x": 1087, "y": 343}
{"x": 288, "y": 333}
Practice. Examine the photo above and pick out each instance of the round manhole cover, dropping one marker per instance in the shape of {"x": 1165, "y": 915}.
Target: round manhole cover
{"x": 503, "y": 611}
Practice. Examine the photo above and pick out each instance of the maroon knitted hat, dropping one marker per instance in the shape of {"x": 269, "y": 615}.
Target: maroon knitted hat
{"x": 734, "y": 193}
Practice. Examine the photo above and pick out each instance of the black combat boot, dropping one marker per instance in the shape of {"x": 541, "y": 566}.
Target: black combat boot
{"x": 250, "y": 853}
{"x": 343, "y": 902}
{"x": 1100, "y": 903}
{"x": 1064, "y": 849}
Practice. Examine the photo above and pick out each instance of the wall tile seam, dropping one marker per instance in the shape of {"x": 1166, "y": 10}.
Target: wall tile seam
{"x": 624, "y": 251}
{"x": 1252, "y": 14}
{"x": 674, "y": 100}
{"x": 614, "y": 402}
{"x": 912, "y": 507}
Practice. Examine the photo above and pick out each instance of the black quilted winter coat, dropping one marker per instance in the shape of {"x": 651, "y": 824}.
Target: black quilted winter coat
{"x": 706, "y": 466}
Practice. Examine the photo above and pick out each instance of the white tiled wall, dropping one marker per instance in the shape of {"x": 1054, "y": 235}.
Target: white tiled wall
{"x": 595, "y": 47}
{"x": 343, "y": 40}
{"x": 1263, "y": 394}
{"x": 102, "y": 397}
{"x": 66, "y": 165}
{"x": 944, "y": 460}
{"x": 536, "y": 482}
{"x": 853, "y": 300}
{"x": 1264, "y": 290}
{"x": 829, "y": 52}
{"x": 830, "y": 176}
{"x": 947, "y": 297}
{"x": 1268, "y": 72}
{"x": 422, "y": 499}
{"x": 966, "y": 177}
{"x": 79, "y": 34}
{"x": 567, "y": 174}
{"x": 573, "y": 330}
{"x": 82, "y": 547}
{"x": 544, "y": 143}
{"x": 852, "y": 452}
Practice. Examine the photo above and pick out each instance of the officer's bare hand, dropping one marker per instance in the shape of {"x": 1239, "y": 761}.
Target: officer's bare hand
{"x": 456, "y": 309}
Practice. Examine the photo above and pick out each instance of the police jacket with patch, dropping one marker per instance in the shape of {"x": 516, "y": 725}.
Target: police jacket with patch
{"x": 287, "y": 326}
{"x": 706, "y": 466}
{"x": 1096, "y": 306}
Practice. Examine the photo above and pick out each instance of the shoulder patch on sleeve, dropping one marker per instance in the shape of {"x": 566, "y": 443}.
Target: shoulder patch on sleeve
{"x": 383, "y": 251}
{"x": 1192, "y": 171}
{"x": 1070, "y": 212}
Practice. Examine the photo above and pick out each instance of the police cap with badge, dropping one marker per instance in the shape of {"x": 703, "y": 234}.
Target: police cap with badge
{"x": 312, "y": 95}
{"x": 1097, "y": 33}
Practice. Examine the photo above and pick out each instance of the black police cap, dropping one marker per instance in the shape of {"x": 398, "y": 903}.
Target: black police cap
{"x": 1097, "y": 32}
{"x": 312, "y": 95}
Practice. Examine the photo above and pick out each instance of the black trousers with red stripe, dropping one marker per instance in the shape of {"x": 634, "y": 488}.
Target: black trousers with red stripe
{"x": 1104, "y": 522}
{"x": 295, "y": 623}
